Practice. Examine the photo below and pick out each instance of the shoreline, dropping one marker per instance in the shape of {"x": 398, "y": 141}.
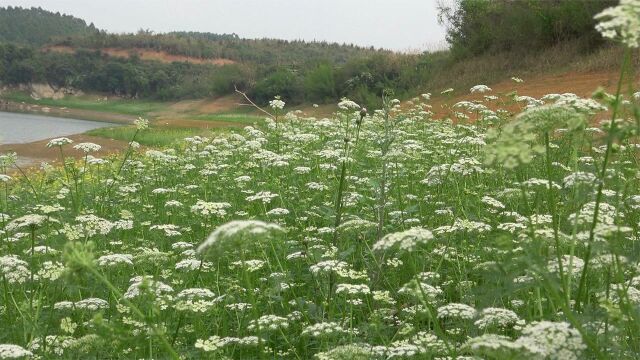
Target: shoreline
{"x": 69, "y": 113}
{"x": 32, "y": 153}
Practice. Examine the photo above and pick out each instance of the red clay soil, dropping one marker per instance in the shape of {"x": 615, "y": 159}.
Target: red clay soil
{"x": 219, "y": 105}
{"x": 184, "y": 106}
{"x": 178, "y": 114}
{"x": 188, "y": 108}
{"x": 146, "y": 54}
{"x": 582, "y": 84}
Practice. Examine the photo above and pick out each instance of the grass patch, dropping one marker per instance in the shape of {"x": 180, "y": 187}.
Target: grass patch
{"x": 154, "y": 136}
{"x": 229, "y": 117}
{"x": 121, "y": 106}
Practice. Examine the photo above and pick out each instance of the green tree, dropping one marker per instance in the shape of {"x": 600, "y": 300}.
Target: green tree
{"x": 20, "y": 73}
{"x": 477, "y": 26}
{"x": 283, "y": 83}
{"x": 36, "y": 26}
{"x": 59, "y": 71}
{"x": 319, "y": 84}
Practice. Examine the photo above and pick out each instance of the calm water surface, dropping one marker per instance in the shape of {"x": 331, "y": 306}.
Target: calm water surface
{"x": 24, "y": 128}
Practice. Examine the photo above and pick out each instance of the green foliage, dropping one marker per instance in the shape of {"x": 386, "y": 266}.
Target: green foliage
{"x": 265, "y": 66}
{"x": 154, "y": 136}
{"x": 517, "y": 143}
{"x": 479, "y": 26}
{"x": 226, "y": 78}
{"x": 92, "y": 71}
{"x": 284, "y": 83}
{"x": 364, "y": 80}
{"x": 319, "y": 84}
{"x": 36, "y": 26}
{"x": 16, "y": 65}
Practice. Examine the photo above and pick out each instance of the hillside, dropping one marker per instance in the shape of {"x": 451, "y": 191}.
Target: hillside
{"x": 145, "y": 55}
{"x": 269, "y": 52}
{"x": 184, "y": 65}
{"x": 36, "y": 26}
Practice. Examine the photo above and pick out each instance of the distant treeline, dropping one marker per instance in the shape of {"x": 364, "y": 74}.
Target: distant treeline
{"x": 92, "y": 70}
{"x": 323, "y": 81}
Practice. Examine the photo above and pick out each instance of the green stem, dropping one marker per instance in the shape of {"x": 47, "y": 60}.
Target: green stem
{"x": 554, "y": 216}
{"x": 603, "y": 173}
{"x": 163, "y": 340}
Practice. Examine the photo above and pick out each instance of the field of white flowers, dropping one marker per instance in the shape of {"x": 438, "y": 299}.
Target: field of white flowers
{"x": 393, "y": 235}
{"x": 381, "y": 235}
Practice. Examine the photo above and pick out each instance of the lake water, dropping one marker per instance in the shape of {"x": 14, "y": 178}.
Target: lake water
{"x": 24, "y": 128}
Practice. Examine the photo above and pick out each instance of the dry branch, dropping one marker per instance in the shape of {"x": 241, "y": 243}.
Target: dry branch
{"x": 252, "y": 103}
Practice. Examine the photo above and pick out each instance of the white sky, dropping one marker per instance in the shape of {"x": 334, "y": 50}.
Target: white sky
{"x": 392, "y": 24}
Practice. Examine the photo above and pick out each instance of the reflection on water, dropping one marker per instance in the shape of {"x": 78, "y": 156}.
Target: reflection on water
{"x": 24, "y": 128}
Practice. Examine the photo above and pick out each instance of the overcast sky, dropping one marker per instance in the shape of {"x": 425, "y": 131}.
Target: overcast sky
{"x": 392, "y": 24}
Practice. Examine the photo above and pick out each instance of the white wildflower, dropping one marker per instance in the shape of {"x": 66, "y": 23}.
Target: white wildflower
{"x": 276, "y": 103}
{"x": 346, "y": 104}
{"x": 556, "y": 340}
{"x": 406, "y": 240}
{"x": 59, "y": 142}
{"x": 87, "y": 147}
{"x": 621, "y": 22}
{"x": 235, "y": 233}
{"x": 480, "y": 89}
{"x": 10, "y": 351}
{"x": 141, "y": 123}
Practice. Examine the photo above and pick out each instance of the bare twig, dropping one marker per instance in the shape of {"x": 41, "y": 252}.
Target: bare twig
{"x": 24, "y": 175}
{"x": 252, "y": 103}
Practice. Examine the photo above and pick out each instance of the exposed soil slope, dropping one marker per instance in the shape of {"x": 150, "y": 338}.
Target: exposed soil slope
{"x": 582, "y": 84}
{"x": 146, "y": 54}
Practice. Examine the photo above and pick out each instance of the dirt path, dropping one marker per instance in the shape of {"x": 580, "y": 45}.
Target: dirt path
{"x": 181, "y": 113}
{"x": 223, "y": 104}
{"x": 187, "y": 108}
